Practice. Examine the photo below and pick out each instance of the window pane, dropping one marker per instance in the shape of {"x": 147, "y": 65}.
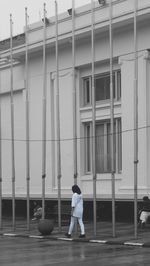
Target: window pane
{"x": 87, "y": 91}
{"x": 103, "y": 147}
{"x": 102, "y": 87}
{"x": 120, "y": 146}
{"x": 108, "y": 148}
{"x": 88, "y": 149}
{"x": 107, "y": 87}
{"x": 114, "y": 85}
{"x": 100, "y": 148}
{"x": 119, "y": 84}
{"x": 99, "y": 89}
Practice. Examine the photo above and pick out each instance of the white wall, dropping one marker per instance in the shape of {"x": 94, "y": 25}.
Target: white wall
{"x": 122, "y": 51}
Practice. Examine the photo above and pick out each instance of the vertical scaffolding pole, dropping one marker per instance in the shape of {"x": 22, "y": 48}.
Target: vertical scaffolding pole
{"x": 12, "y": 123}
{"x": 135, "y": 119}
{"x": 27, "y": 122}
{"x": 74, "y": 96}
{"x": 58, "y": 121}
{"x": 44, "y": 116}
{"x": 93, "y": 120}
{"x": 0, "y": 160}
{"x": 112, "y": 119}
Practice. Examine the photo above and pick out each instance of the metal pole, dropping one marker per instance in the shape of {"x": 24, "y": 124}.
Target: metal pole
{"x": 44, "y": 116}
{"x": 27, "y": 122}
{"x": 12, "y": 124}
{"x": 74, "y": 95}
{"x": 0, "y": 160}
{"x": 93, "y": 120}
{"x": 135, "y": 119}
{"x": 58, "y": 122}
{"x": 112, "y": 119}
{"x": 74, "y": 103}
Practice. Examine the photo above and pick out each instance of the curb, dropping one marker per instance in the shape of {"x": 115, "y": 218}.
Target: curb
{"x": 98, "y": 241}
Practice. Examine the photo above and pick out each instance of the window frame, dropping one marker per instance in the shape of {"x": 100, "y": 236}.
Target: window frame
{"x": 88, "y": 159}
{"x": 118, "y": 146}
{"x": 85, "y": 93}
{"x": 117, "y": 88}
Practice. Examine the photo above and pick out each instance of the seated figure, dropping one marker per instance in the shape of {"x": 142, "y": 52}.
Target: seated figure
{"x": 37, "y": 212}
{"x": 144, "y": 212}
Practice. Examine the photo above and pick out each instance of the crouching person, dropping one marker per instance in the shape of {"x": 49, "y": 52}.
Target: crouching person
{"x": 37, "y": 212}
{"x": 144, "y": 212}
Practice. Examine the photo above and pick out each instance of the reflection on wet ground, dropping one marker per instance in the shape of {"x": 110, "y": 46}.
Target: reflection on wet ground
{"x": 16, "y": 251}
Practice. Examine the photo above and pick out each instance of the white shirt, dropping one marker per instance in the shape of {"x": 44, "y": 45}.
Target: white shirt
{"x": 77, "y": 203}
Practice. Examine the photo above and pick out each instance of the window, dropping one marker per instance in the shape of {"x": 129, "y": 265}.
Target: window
{"x": 87, "y": 91}
{"x": 88, "y": 146}
{"x": 103, "y": 146}
{"x": 102, "y": 87}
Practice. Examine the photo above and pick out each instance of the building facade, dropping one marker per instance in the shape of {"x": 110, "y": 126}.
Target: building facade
{"x": 123, "y": 88}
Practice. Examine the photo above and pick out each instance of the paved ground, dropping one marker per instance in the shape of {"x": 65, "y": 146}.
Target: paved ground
{"x": 36, "y": 251}
{"x": 124, "y": 232}
{"x": 24, "y": 251}
{"x": 30, "y": 248}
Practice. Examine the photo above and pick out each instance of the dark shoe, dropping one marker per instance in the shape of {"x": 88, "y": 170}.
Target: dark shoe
{"x": 82, "y": 236}
{"x": 68, "y": 235}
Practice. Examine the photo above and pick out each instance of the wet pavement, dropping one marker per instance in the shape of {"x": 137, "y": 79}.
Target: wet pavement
{"x": 16, "y": 251}
{"x": 124, "y": 232}
{"x": 29, "y": 248}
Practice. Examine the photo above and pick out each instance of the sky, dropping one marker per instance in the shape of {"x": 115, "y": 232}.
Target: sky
{"x": 35, "y": 12}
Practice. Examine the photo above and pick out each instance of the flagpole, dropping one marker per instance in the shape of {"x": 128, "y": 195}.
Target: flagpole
{"x": 112, "y": 119}
{"x": 12, "y": 124}
{"x": 27, "y": 122}
{"x": 58, "y": 121}
{"x": 74, "y": 95}
{"x": 44, "y": 116}
{"x": 135, "y": 119}
{"x": 93, "y": 120}
{"x": 0, "y": 159}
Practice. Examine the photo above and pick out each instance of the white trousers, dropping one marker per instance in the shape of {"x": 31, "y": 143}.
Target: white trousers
{"x": 72, "y": 223}
{"x": 144, "y": 216}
